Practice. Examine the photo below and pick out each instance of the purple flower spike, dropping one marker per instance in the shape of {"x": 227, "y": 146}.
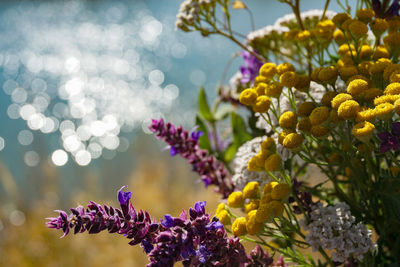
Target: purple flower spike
{"x": 211, "y": 171}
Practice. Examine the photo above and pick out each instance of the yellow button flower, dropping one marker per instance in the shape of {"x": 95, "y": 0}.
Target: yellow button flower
{"x": 303, "y": 36}
{"x": 357, "y": 87}
{"x": 221, "y": 207}
{"x": 347, "y": 71}
{"x": 268, "y": 143}
{"x": 274, "y": 89}
{"x": 394, "y": 23}
{"x": 268, "y": 70}
{"x": 371, "y": 94}
{"x": 348, "y": 109}
{"x": 293, "y": 141}
{"x": 283, "y": 134}
{"x": 260, "y": 88}
{"x": 339, "y": 38}
{"x": 285, "y": 67}
{"x": 304, "y": 125}
{"x": 239, "y": 226}
{"x": 392, "y": 89}
{"x": 339, "y": 18}
{"x": 305, "y": 108}
{"x": 379, "y": 26}
{"x": 379, "y": 66}
{"x": 334, "y": 117}
{"x": 223, "y": 217}
{"x": 366, "y": 114}
{"x": 319, "y": 115}
{"x": 288, "y": 120}
{"x": 327, "y": 98}
{"x": 385, "y": 99}
{"x": 235, "y": 199}
{"x": 319, "y": 131}
{"x": 395, "y": 77}
{"x": 266, "y": 197}
{"x": 394, "y": 68}
{"x": 380, "y": 52}
{"x": 253, "y": 164}
{"x": 365, "y": 51}
{"x": 264, "y": 213}
{"x": 363, "y": 131}
{"x": 248, "y": 97}
{"x": 314, "y": 74}
{"x": 252, "y": 205}
{"x": 268, "y": 187}
{"x": 384, "y": 111}
{"x": 365, "y": 14}
{"x": 328, "y": 74}
{"x": 358, "y": 28}
{"x": 339, "y": 99}
{"x": 288, "y": 79}
{"x": 303, "y": 83}
{"x": 273, "y": 163}
{"x": 251, "y": 190}
{"x": 277, "y": 208}
{"x": 280, "y": 191}
{"x": 344, "y": 48}
{"x": 252, "y": 226}
{"x": 262, "y": 104}
{"x": 363, "y": 67}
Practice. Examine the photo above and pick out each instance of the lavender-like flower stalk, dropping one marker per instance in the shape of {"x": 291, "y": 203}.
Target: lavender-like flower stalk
{"x": 193, "y": 238}
{"x": 207, "y": 166}
{"x": 137, "y": 226}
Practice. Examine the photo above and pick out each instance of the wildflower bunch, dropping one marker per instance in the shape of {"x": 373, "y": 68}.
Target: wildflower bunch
{"x": 317, "y": 97}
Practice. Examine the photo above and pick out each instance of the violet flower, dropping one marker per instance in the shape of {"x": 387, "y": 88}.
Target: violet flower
{"x": 193, "y": 238}
{"x": 207, "y": 166}
{"x": 251, "y": 67}
{"x": 382, "y": 10}
{"x": 390, "y": 140}
{"x": 137, "y": 226}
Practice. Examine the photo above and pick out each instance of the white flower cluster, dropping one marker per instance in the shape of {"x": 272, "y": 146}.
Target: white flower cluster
{"x": 242, "y": 174}
{"x": 281, "y": 25}
{"x": 189, "y": 12}
{"x": 311, "y": 15}
{"x": 334, "y": 228}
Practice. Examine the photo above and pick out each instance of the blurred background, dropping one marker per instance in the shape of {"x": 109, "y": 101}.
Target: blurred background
{"x": 79, "y": 84}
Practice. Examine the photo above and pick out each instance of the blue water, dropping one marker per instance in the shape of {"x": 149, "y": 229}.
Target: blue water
{"x": 54, "y": 51}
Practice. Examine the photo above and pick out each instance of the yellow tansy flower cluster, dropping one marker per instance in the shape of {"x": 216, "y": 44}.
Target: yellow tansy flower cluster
{"x": 260, "y": 209}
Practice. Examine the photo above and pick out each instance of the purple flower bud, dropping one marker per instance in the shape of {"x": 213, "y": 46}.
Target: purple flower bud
{"x": 124, "y": 197}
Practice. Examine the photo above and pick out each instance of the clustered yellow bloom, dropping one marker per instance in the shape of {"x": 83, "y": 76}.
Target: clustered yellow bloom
{"x": 261, "y": 208}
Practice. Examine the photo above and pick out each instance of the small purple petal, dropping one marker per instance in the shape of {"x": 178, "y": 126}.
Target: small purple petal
{"x": 124, "y": 197}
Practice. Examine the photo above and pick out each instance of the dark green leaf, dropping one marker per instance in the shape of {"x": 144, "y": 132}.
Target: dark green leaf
{"x": 204, "y": 108}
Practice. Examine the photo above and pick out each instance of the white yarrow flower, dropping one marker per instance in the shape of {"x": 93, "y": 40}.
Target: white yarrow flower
{"x": 334, "y": 228}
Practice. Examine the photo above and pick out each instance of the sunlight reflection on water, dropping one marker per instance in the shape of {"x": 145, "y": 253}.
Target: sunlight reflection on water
{"x": 86, "y": 73}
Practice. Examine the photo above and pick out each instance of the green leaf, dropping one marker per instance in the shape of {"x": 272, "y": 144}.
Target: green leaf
{"x": 204, "y": 140}
{"x": 240, "y": 134}
{"x": 204, "y": 108}
{"x": 230, "y": 152}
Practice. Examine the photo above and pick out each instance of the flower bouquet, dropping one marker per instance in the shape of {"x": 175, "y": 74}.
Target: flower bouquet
{"x": 302, "y": 146}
